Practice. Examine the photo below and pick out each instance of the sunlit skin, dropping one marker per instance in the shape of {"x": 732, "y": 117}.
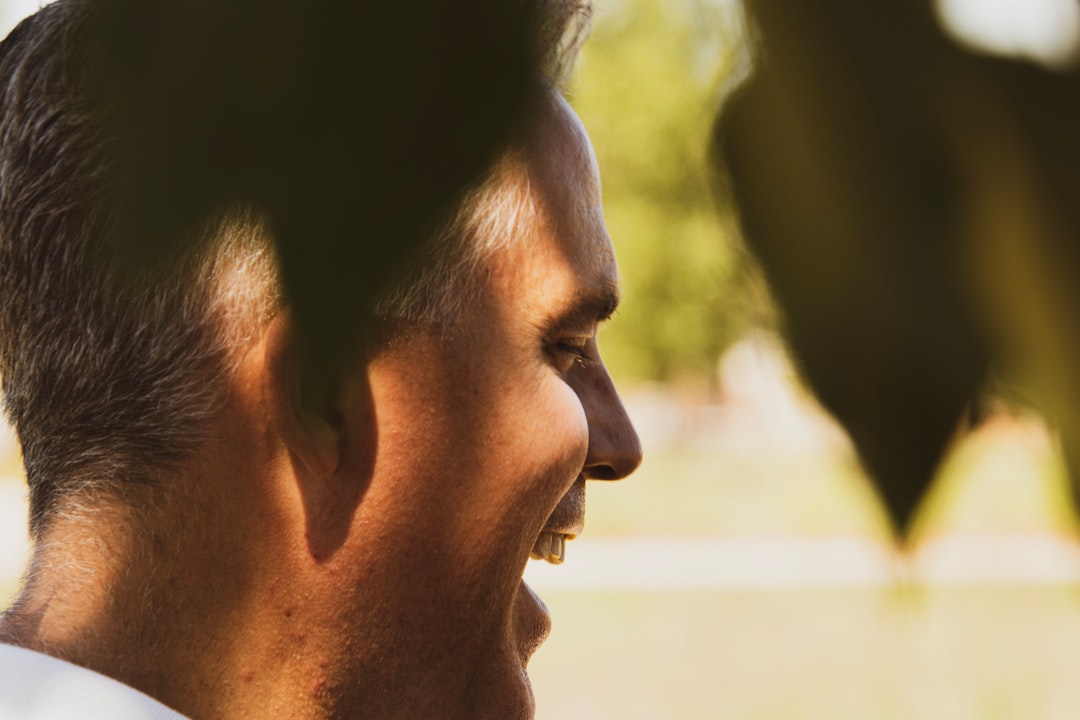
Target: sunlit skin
{"x": 481, "y": 433}
{"x": 367, "y": 562}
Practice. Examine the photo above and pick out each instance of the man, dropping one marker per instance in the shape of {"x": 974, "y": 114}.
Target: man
{"x": 206, "y": 537}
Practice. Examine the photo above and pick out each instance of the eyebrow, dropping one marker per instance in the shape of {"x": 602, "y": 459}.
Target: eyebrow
{"x": 590, "y": 308}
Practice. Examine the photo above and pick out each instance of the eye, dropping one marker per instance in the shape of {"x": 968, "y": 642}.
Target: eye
{"x": 567, "y": 353}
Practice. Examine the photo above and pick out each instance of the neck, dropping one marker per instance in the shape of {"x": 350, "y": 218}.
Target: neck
{"x": 178, "y": 601}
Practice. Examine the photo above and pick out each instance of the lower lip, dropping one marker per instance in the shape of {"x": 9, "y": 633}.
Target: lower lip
{"x": 532, "y": 622}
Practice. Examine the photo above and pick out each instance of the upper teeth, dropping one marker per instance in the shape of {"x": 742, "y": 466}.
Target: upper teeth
{"x": 550, "y": 546}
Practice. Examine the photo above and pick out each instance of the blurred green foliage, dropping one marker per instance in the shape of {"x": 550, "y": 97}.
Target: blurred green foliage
{"x": 647, "y": 90}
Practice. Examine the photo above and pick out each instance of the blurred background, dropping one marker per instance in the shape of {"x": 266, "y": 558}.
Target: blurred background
{"x": 749, "y": 568}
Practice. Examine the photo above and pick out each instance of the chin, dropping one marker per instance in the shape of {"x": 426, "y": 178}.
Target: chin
{"x": 509, "y": 696}
{"x": 504, "y": 691}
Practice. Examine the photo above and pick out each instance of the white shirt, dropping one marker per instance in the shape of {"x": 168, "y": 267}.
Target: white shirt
{"x": 34, "y": 686}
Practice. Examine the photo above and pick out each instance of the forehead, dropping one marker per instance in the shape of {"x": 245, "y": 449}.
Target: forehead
{"x": 565, "y": 226}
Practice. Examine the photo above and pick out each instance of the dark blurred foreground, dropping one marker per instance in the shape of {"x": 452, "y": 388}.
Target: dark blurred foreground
{"x": 353, "y": 127}
{"x": 916, "y": 209}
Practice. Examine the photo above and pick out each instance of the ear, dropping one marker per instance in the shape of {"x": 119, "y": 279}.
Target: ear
{"x": 313, "y": 436}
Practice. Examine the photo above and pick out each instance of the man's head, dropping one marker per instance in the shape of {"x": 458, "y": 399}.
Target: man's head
{"x": 490, "y": 428}
{"x": 108, "y": 383}
{"x": 366, "y": 557}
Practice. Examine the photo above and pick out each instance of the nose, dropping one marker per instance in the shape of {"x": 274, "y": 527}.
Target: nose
{"x": 614, "y": 448}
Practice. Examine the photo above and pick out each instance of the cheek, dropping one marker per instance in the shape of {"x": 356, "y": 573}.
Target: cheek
{"x": 554, "y": 437}
{"x": 558, "y": 430}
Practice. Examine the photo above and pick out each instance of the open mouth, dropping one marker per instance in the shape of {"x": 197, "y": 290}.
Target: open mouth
{"x": 551, "y": 546}
{"x": 566, "y": 523}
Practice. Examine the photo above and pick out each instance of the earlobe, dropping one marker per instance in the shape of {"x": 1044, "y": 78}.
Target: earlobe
{"x": 314, "y": 437}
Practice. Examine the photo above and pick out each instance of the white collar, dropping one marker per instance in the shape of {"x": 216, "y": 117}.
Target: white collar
{"x": 34, "y": 686}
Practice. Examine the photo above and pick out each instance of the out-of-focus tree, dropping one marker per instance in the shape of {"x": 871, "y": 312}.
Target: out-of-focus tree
{"x": 646, "y": 90}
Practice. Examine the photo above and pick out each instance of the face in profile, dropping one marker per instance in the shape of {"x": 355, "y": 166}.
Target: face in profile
{"x": 486, "y": 436}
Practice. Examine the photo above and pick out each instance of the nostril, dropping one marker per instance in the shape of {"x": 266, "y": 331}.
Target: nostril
{"x": 612, "y": 458}
{"x": 601, "y": 472}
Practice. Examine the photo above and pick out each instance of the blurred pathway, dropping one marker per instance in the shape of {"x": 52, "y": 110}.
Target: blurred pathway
{"x": 777, "y": 562}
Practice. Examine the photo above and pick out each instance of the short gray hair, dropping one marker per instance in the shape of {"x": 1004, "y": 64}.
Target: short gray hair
{"x": 110, "y": 383}
{"x": 106, "y": 383}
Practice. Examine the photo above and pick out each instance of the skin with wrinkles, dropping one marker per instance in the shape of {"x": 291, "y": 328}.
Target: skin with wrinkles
{"x": 367, "y": 562}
